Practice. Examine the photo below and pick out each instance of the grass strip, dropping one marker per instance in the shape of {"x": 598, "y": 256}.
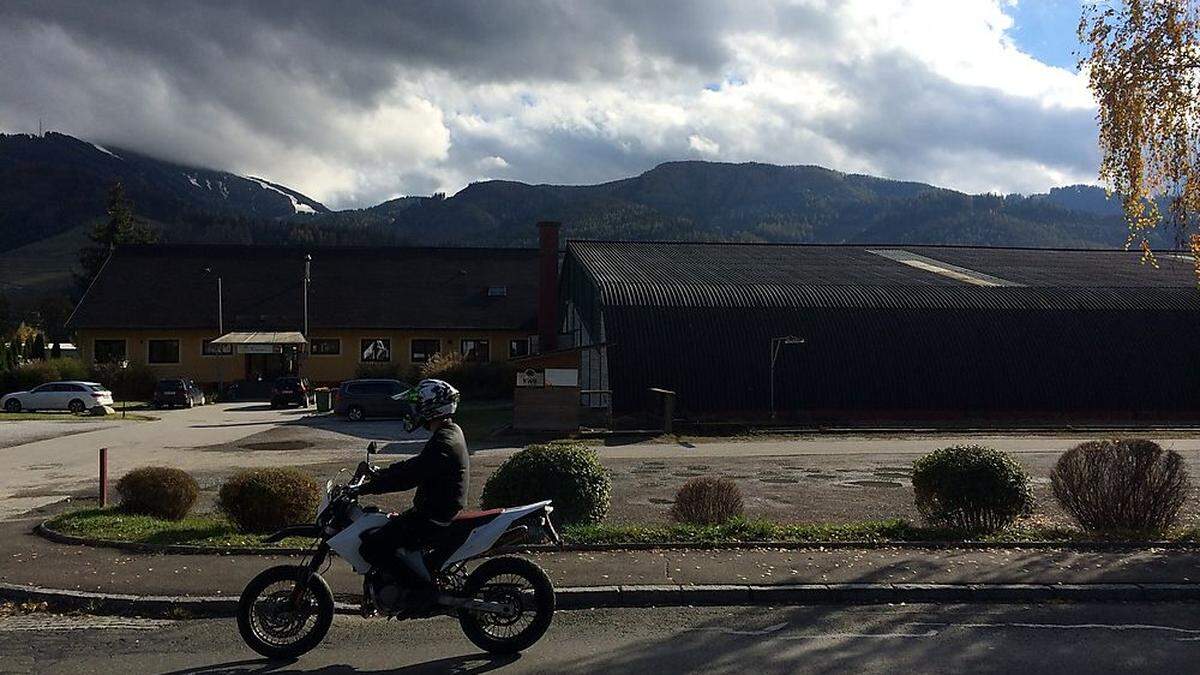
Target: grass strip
{"x": 209, "y": 529}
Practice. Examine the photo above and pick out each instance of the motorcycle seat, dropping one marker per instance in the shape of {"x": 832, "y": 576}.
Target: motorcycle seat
{"x": 477, "y": 515}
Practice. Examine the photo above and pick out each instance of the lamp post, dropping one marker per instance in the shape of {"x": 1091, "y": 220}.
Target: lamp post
{"x": 123, "y": 364}
{"x": 776, "y": 344}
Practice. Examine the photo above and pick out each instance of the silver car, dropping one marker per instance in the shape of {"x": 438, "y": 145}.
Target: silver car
{"x": 78, "y": 397}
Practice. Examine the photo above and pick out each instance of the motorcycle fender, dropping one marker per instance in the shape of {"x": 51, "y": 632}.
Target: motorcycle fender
{"x": 348, "y": 542}
{"x": 311, "y": 531}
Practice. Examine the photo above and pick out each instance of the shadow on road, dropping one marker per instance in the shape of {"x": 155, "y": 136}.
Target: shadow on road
{"x": 467, "y": 664}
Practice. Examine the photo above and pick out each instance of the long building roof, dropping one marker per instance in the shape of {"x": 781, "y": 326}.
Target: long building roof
{"x": 685, "y": 274}
{"x": 167, "y": 287}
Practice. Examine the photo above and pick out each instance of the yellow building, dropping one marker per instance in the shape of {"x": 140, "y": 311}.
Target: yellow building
{"x": 218, "y": 313}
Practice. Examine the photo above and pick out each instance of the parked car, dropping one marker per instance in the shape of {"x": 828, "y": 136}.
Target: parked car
{"x": 359, "y": 399}
{"x": 289, "y": 390}
{"x": 78, "y": 397}
{"x": 178, "y": 391}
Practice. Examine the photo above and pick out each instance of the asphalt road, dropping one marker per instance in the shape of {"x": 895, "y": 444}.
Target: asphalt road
{"x": 917, "y": 638}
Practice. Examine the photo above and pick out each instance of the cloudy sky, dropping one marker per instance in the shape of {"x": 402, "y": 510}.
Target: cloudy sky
{"x": 356, "y": 102}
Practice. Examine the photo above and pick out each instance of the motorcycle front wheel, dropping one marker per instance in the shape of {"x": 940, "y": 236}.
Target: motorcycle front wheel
{"x": 521, "y": 586}
{"x": 280, "y": 616}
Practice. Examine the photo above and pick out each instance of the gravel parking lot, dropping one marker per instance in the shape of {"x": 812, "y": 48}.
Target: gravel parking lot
{"x": 29, "y": 431}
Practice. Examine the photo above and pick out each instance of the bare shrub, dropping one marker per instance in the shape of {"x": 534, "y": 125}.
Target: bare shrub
{"x": 1121, "y": 486}
{"x": 269, "y": 499}
{"x": 707, "y": 501}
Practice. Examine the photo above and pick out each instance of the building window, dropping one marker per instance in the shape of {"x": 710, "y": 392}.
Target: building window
{"x": 207, "y": 348}
{"x": 108, "y": 351}
{"x": 423, "y": 350}
{"x": 497, "y": 291}
{"x": 325, "y": 346}
{"x": 475, "y": 350}
{"x": 375, "y": 350}
{"x": 162, "y": 352}
{"x": 518, "y": 348}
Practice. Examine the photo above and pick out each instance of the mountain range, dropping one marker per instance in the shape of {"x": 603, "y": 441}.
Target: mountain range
{"x": 52, "y": 189}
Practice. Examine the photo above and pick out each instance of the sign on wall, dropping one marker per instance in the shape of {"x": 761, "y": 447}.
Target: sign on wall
{"x": 257, "y": 349}
{"x": 376, "y": 350}
{"x": 531, "y": 377}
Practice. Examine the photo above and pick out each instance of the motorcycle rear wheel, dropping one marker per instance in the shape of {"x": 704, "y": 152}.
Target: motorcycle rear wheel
{"x": 270, "y": 620}
{"x": 515, "y": 581}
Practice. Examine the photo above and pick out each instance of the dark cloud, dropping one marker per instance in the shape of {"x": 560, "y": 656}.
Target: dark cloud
{"x": 358, "y": 101}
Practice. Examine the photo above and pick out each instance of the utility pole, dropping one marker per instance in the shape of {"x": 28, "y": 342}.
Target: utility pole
{"x": 307, "y": 264}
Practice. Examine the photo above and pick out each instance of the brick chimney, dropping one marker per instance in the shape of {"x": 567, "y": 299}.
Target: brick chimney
{"x": 547, "y": 310}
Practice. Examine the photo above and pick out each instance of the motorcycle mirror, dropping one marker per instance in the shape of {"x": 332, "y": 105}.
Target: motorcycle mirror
{"x": 372, "y": 448}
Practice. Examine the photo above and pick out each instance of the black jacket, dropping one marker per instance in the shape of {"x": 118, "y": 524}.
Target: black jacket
{"x": 440, "y": 473}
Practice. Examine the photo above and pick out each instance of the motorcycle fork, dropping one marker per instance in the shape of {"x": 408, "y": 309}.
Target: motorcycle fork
{"x": 314, "y": 564}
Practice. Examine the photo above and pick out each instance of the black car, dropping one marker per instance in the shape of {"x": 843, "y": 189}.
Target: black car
{"x": 288, "y": 390}
{"x": 177, "y": 391}
{"x": 359, "y": 399}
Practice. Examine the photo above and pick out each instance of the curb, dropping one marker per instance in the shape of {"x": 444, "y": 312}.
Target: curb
{"x": 44, "y": 531}
{"x": 594, "y": 597}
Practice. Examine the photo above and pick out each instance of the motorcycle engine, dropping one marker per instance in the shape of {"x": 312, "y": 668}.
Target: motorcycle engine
{"x": 388, "y": 594}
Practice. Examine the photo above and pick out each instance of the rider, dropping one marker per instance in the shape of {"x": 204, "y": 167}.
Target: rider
{"x": 440, "y": 473}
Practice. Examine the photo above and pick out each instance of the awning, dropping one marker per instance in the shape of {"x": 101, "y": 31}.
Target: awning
{"x": 256, "y": 338}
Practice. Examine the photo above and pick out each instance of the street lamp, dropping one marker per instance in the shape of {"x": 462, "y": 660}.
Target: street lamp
{"x": 777, "y": 343}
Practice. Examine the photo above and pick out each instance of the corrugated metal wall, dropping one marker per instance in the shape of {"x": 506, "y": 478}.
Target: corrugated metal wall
{"x": 976, "y": 362}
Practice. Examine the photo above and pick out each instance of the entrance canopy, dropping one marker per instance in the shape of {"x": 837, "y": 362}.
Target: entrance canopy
{"x": 257, "y": 338}
{"x": 262, "y": 342}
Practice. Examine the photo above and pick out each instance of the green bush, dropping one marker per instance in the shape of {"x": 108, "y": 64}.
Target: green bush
{"x": 158, "y": 491}
{"x": 29, "y": 375}
{"x": 570, "y": 474}
{"x": 707, "y": 501}
{"x": 477, "y": 381}
{"x": 1121, "y": 486}
{"x": 266, "y": 500}
{"x": 134, "y": 383}
{"x": 971, "y": 489}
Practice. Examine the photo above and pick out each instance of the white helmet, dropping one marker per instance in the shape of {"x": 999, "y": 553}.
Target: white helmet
{"x": 430, "y": 400}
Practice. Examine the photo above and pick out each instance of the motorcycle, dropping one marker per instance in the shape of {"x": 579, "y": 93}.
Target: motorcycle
{"x": 504, "y": 605}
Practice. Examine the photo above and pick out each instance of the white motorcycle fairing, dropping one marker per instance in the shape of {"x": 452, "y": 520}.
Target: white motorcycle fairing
{"x": 484, "y": 537}
{"x": 347, "y": 542}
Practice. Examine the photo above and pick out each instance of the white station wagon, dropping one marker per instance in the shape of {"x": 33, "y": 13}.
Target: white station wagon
{"x": 78, "y": 397}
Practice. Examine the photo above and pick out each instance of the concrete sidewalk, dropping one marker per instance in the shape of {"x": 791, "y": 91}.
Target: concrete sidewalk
{"x": 30, "y": 560}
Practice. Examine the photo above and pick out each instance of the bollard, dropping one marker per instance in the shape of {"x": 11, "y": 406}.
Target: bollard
{"x": 103, "y": 477}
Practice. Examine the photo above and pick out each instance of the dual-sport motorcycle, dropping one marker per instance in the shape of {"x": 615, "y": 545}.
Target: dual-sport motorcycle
{"x": 504, "y": 605}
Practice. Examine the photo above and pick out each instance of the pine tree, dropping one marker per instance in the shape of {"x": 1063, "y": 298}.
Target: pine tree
{"x": 122, "y": 227}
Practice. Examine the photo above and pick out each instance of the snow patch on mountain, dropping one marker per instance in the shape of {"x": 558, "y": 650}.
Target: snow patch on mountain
{"x": 297, "y": 205}
{"x": 105, "y": 150}
{"x": 193, "y": 181}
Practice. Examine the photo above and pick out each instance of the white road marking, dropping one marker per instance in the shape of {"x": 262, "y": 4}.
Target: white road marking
{"x": 57, "y": 622}
{"x": 855, "y": 636}
{"x": 1195, "y": 633}
{"x": 731, "y": 631}
{"x": 771, "y": 630}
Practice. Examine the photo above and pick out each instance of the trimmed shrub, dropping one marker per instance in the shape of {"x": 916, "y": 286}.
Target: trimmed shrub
{"x": 477, "y": 381}
{"x": 29, "y": 375}
{"x": 158, "y": 491}
{"x": 707, "y": 501}
{"x": 1121, "y": 486}
{"x": 971, "y": 489}
{"x": 570, "y": 474}
{"x": 266, "y": 500}
{"x": 135, "y": 383}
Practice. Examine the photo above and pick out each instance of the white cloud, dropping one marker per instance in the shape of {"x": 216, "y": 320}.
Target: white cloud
{"x": 356, "y": 105}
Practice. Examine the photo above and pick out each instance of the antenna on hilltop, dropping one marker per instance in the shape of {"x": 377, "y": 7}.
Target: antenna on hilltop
{"x": 41, "y": 134}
